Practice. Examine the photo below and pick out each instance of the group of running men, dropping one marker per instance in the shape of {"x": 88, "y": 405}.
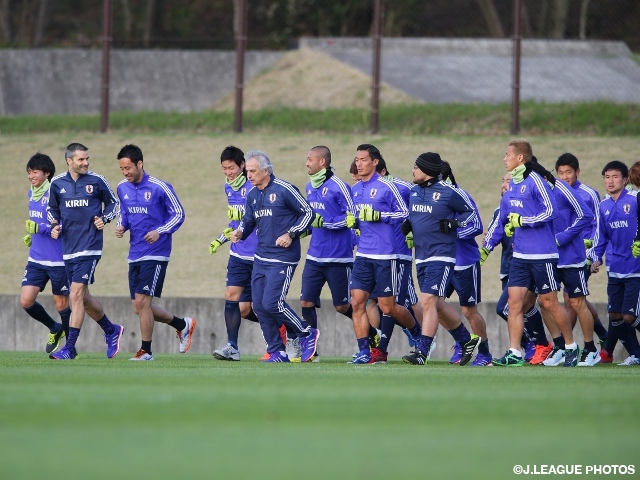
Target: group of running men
{"x": 553, "y": 232}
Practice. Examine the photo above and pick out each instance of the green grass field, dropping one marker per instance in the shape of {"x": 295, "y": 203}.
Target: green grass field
{"x": 192, "y": 417}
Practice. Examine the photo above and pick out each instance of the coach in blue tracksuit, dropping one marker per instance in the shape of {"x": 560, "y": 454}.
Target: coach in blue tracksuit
{"x": 279, "y": 214}
{"x": 80, "y": 204}
{"x": 152, "y": 213}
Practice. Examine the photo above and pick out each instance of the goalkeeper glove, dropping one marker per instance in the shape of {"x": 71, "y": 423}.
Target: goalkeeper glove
{"x": 515, "y": 219}
{"x": 635, "y": 248}
{"x": 227, "y": 233}
{"x": 447, "y": 226}
{"x": 350, "y": 220}
{"x": 484, "y": 253}
{"x": 318, "y": 221}
{"x": 234, "y": 213}
{"x": 588, "y": 243}
{"x": 406, "y": 227}
{"x": 509, "y": 230}
{"x": 409, "y": 239}
{"x": 215, "y": 245}
{"x": 32, "y": 227}
{"x": 368, "y": 214}
{"x": 27, "y": 240}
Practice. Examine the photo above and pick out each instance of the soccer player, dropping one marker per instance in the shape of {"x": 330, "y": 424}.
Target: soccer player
{"x": 151, "y": 211}
{"x": 280, "y": 214}
{"x": 618, "y": 228}
{"x": 527, "y": 211}
{"x": 534, "y": 341}
{"x": 573, "y": 217}
{"x": 77, "y": 217}
{"x": 330, "y": 254}
{"x": 437, "y": 210}
{"x": 237, "y": 296}
{"x": 45, "y": 256}
{"x": 568, "y": 169}
{"x": 466, "y": 276}
{"x": 381, "y": 210}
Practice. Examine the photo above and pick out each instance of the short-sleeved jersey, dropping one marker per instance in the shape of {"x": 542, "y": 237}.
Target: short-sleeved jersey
{"x": 44, "y": 250}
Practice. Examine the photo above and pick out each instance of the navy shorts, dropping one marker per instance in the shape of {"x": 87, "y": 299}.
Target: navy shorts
{"x": 406, "y": 291}
{"x": 375, "y": 276}
{"x": 466, "y": 284}
{"x": 539, "y": 276}
{"x": 574, "y": 281}
{"x": 38, "y": 276}
{"x": 239, "y": 275}
{"x": 81, "y": 270}
{"x": 624, "y": 295}
{"x": 147, "y": 278}
{"x": 435, "y": 278}
{"x": 336, "y": 275}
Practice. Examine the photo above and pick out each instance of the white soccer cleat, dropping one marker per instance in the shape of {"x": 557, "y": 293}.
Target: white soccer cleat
{"x": 555, "y": 358}
{"x": 589, "y": 359}
{"x": 228, "y": 352}
{"x": 142, "y": 356}
{"x": 186, "y": 334}
{"x": 293, "y": 349}
{"x": 632, "y": 360}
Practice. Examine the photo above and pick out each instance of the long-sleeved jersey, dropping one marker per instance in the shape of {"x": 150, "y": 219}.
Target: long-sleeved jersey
{"x": 332, "y": 243}
{"x": 404, "y": 252}
{"x": 467, "y": 253}
{"x": 533, "y": 200}
{"x": 378, "y": 239}
{"x": 618, "y": 225}
{"x": 44, "y": 250}
{"x": 592, "y": 198}
{"x": 277, "y": 209}
{"x": 495, "y": 235}
{"x": 74, "y": 204}
{"x": 244, "y": 249}
{"x": 431, "y": 202}
{"x": 149, "y": 205}
{"x": 573, "y": 217}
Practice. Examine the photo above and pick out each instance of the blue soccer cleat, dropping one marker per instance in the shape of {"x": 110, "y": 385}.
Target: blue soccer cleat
{"x": 113, "y": 340}
{"x": 65, "y": 353}
{"x": 457, "y": 354}
{"x": 363, "y": 357}
{"x": 277, "y": 357}
{"x": 308, "y": 344}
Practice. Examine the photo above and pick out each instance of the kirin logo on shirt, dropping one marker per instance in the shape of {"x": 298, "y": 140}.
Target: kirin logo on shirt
{"x": 272, "y": 197}
{"x": 373, "y": 192}
{"x": 89, "y": 189}
{"x": 523, "y": 188}
{"x": 147, "y": 196}
{"x": 626, "y": 207}
{"x": 436, "y": 196}
{"x": 324, "y": 191}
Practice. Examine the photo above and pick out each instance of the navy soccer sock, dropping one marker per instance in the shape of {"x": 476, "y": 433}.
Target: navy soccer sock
{"x": 349, "y": 312}
{"x": 64, "y": 316}
{"x": 424, "y": 344}
{"x": 590, "y": 347}
{"x": 636, "y": 324}
{"x": 310, "y": 315}
{"x": 363, "y": 344}
{"x": 612, "y": 337}
{"x": 599, "y": 329}
{"x": 106, "y": 325}
{"x": 386, "y": 327}
{"x": 460, "y": 334}
{"x": 535, "y": 327}
{"x": 483, "y": 347}
{"x": 37, "y": 312}
{"x": 178, "y": 323}
{"x": 232, "y": 320}
{"x": 146, "y": 346}
{"x": 252, "y": 317}
{"x": 559, "y": 342}
{"x": 627, "y": 337}
{"x": 73, "y": 337}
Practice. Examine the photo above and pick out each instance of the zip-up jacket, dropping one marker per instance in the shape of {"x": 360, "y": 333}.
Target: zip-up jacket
{"x": 495, "y": 235}
{"x": 592, "y": 198}
{"x": 573, "y": 217}
{"x": 149, "y": 205}
{"x": 467, "y": 253}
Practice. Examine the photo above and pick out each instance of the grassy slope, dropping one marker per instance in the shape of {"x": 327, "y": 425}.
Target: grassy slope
{"x": 190, "y": 162}
{"x": 191, "y": 417}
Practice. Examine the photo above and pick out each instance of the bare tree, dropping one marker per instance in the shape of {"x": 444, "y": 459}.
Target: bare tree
{"x": 584, "y": 7}
{"x": 42, "y": 19}
{"x": 126, "y": 20}
{"x": 148, "y": 22}
{"x": 492, "y": 19}
{"x": 560, "y": 14}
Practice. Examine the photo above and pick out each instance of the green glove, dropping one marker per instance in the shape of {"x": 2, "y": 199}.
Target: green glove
{"x": 357, "y": 231}
{"x": 215, "y": 245}
{"x": 635, "y": 249}
{"x": 32, "y": 227}
{"x": 227, "y": 233}
{"x": 515, "y": 219}
{"x": 350, "y": 220}
{"x": 409, "y": 239}
{"x": 588, "y": 243}
{"x": 368, "y": 214}
{"x": 509, "y": 230}
{"x": 234, "y": 213}
{"x": 484, "y": 253}
{"x": 588, "y": 262}
{"x": 306, "y": 233}
{"x": 318, "y": 221}
{"x": 27, "y": 240}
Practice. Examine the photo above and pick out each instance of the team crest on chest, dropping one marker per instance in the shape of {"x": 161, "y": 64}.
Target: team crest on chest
{"x": 523, "y": 188}
{"x": 626, "y": 207}
{"x": 324, "y": 191}
{"x": 44, "y": 200}
{"x": 89, "y": 189}
{"x": 373, "y": 192}
{"x": 272, "y": 197}
{"x": 436, "y": 196}
{"x": 147, "y": 196}
{"x": 243, "y": 192}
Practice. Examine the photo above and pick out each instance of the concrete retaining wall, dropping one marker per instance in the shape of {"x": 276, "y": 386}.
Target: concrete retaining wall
{"x": 22, "y": 333}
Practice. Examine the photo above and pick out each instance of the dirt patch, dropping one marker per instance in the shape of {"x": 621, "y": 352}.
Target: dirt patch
{"x": 309, "y": 79}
